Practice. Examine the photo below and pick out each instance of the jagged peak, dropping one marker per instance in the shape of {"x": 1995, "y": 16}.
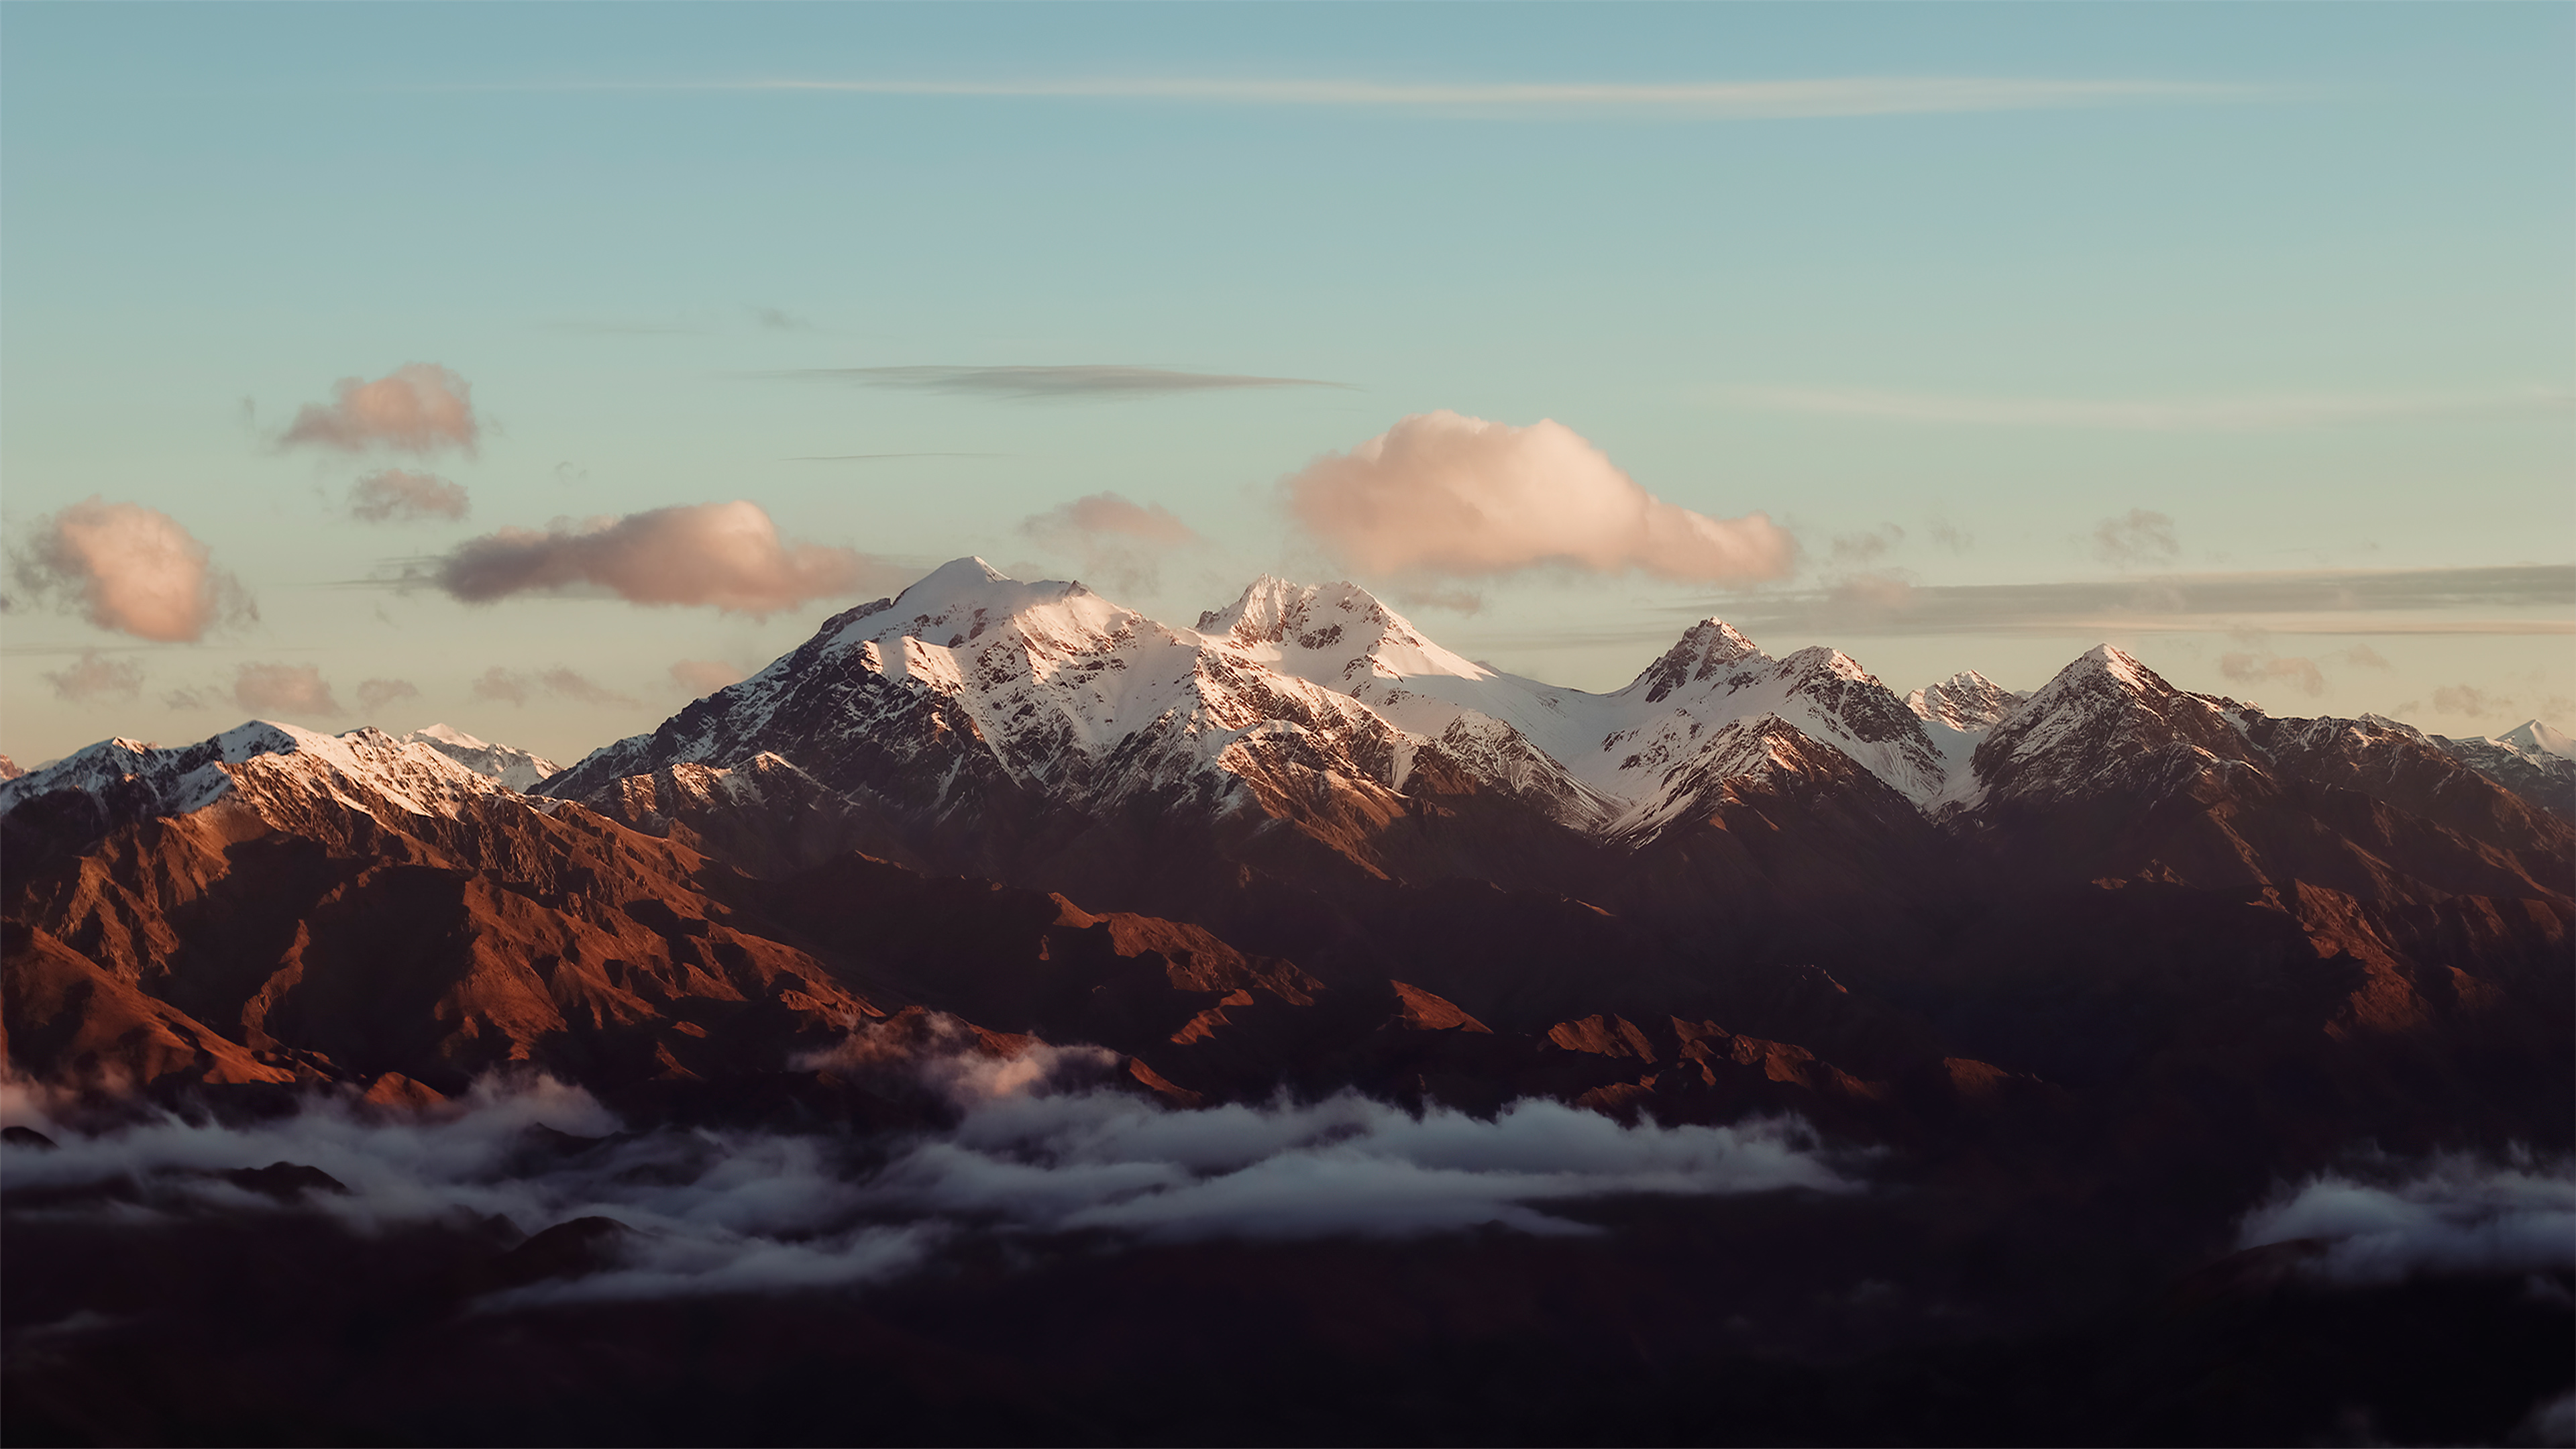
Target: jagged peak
{"x": 1817, "y": 658}
{"x": 1706, "y": 647}
{"x": 2531, "y": 737}
{"x": 1966, "y": 700}
{"x": 1322, "y": 632}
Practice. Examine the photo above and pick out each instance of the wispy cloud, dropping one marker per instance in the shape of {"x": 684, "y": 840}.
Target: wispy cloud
{"x": 2238, "y": 414}
{"x": 1817, "y": 98}
{"x": 2515, "y": 599}
{"x": 1120, "y": 542}
{"x": 726, "y": 556}
{"x": 881, "y": 457}
{"x": 518, "y": 686}
{"x": 1086, "y": 380}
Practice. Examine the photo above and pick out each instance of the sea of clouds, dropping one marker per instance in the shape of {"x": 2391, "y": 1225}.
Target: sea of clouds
{"x": 1039, "y": 1145}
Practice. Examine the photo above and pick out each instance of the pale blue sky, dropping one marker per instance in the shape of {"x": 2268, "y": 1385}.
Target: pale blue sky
{"x": 2299, "y": 281}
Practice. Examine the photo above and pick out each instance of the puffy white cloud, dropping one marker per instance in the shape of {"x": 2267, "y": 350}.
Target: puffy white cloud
{"x": 283, "y": 689}
{"x": 419, "y": 407}
{"x": 129, "y": 568}
{"x": 94, "y": 678}
{"x": 391, "y": 495}
{"x": 704, "y": 676}
{"x": 724, "y": 555}
{"x": 508, "y": 686}
{"x": 1443, "y": 494}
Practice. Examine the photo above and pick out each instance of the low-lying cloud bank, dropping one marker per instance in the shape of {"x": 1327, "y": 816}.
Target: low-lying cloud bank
{"x": 1446, "y": 495}
{"x": 713, "y": 1212}
{"x": 2456, "y": 1213}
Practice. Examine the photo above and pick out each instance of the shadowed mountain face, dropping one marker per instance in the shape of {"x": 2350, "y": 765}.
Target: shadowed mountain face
{"x": 2074, "y": 979}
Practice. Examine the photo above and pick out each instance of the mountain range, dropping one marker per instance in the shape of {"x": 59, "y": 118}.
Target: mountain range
{"x": 2106, "y": 948}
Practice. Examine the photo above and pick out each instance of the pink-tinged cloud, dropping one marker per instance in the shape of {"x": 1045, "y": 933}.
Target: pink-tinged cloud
{"x": 2300, "y": 674}
{"x": 375, "y": 694}
{"x": 1443, "y": 494}
{"x": 518, "y": 686}
{"x": 704, "y": 676}
{"x": 1119, "y": 541}
{"x": 129, "y": 568}
{"x": 418, "y": 407}
{"x": 724, "y": 555}
{"x": 1110, "y": 515}
{"x": 94, "y": 678}
{"x": 391, "y": 495}
{"x": 283, "y": 689}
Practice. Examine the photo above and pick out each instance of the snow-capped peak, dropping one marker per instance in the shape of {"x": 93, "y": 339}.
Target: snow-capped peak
{"x": 518, "y": 769}
{"x": 2531, "y": 737}
{"x": 1337, "y": 635}
{"x": 1966, "y": 701}
{"x": 1705, "y": 648}
{"x": 365, "y": 768}
{"x": 448, "y": 734}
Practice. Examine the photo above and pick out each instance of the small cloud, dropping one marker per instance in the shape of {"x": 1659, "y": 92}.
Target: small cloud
{"x": 726, "y": 556}
{"x": 1869, "y": 598}
{"x": 1119, "y": 541}
{"x": 2364, "y": 657}
{"x": 1443, "y": 494}
{"x": 283, "y": 689}
{"x": 392, "y": 495}
{"x": 2248, "y": 668}
{"x": 1949, "y": 536}
{"x": 778, "y": 321}
{"x": 129, "y": 568}
{"x": 1867, "y": 547}
{"x": 2144, "y": 537}
{"x": 416, "y": 408}
{"x": 702, "y": 677}
{"x": 189, "y": 697}
{"x": 1456, "y": 601}
{"x": 375, "y": 694}
{"x": 94, "y": 679}
{"x": 517, "y": 687}
{"x": 2462, "y": 699}
{"x": 1094, "y": 381}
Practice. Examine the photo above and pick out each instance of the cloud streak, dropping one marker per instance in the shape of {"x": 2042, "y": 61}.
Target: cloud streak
{"x": 2367, "y": 602}
{"x": 726, "y": 556}
{"x": 1454, "y": 496}
{"x": 1086, "y": 381}
{"x": 419, "y": 407}
{"x": 1817, "y": 98}
{"x": 129, "y": 568}
{"x": 2242, "y": 414}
